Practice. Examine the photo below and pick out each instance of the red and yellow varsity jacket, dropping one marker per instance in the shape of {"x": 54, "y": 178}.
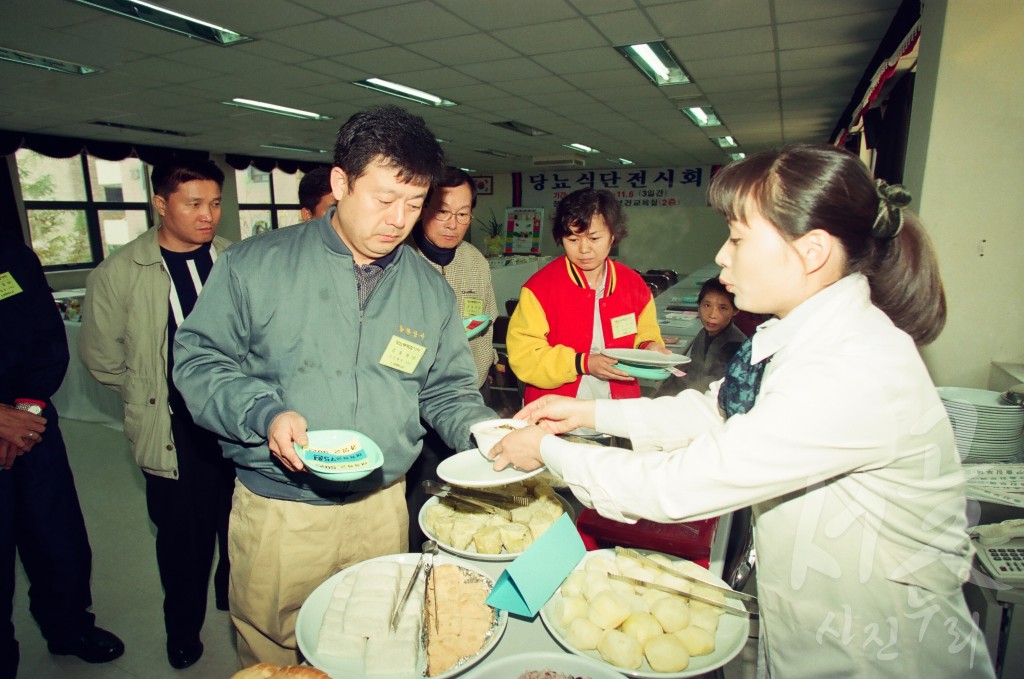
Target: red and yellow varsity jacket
{"x": 551, "y": 331}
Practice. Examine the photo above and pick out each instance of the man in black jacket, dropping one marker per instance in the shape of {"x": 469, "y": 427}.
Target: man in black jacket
{"x": 39, "y": 512}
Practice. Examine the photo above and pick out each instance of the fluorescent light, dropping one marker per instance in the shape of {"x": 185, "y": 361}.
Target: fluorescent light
{"x": 651, "y": 59}
{"x": 49, "y": 63}
{"x": 274, "y": 108}
{"x": 521, "y": 128}
{"x": 702, "y": 116}
{"x": 622, "y": 161}
{"x": 403, "y": 91}
{"x": 582, "y": 148}
{"x": 726, "y": 142}
{"x": 169, "y": 20}
{"x": 656, "y": 61}
{"x": 285, "y": 147}
{"x": 497, "y": 154}
{"x": 737, "y": 156}
{"x": 467, "y": 170}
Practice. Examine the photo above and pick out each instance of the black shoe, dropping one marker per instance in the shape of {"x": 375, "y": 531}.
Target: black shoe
{"x": 184, "y": 655}
{"x": 95, "y": 645}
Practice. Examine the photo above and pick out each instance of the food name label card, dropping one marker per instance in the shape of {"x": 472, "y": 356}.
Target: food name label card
{"x": 472, "y": 306}
{"x": 8, "y": 286}
{"x": 402, "y": 354}
{"x": 530, "y": 580}
{"x": 623, "y": 325}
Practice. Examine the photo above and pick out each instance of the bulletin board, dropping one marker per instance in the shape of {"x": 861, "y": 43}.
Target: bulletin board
{"x": 522, "y": 230}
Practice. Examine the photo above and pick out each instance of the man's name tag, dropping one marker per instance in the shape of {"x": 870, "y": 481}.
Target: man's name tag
{"x": 403, "y": 355}
{"x": 623, "y": 325}
{"x": 8, "y": 286}
{"x": 472, "y": 306}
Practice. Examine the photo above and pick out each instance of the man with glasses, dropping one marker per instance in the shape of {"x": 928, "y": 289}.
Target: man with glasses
{"x": 440, "y": 238}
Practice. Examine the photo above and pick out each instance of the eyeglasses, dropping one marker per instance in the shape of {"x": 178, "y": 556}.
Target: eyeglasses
{"x": 460, "y": 217}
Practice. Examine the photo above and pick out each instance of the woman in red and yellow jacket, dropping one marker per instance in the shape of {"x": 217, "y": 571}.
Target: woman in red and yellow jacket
{"x": 579, "y": 304}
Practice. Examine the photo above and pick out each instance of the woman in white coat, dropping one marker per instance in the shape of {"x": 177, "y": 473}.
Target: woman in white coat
{"x": 827, "y": 424}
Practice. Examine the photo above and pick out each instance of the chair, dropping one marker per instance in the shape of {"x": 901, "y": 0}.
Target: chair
{"x": 510, "y": 305}
{"x": 671, "y": 275}
{"x": 658, "y": 281}
{"x": 504, "y": 382}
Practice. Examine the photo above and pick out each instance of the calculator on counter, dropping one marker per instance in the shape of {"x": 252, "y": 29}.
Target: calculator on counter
{"x": 1001, "y": 550}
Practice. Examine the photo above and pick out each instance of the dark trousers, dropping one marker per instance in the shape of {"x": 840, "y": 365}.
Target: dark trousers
{"x": 425, "y": 467}
{"x": 191, "y": 517}
{"x": 41, "y": 519}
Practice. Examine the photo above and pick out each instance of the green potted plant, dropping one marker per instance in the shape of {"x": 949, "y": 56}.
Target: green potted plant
{"x": 495, "y": 235}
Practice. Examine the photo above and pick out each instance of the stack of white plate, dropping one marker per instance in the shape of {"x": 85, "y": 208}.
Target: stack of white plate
{"x": 986, "y": 428}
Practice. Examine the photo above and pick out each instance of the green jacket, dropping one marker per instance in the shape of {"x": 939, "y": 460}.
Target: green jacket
{"x": 278, "y": 327}
{"x": 124, "y": 345}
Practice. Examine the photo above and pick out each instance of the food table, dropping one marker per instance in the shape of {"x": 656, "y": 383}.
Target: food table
{"x": 81, "y": 397}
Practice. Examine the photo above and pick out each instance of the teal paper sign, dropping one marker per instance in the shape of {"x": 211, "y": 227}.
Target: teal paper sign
{"x": 530, "y": 580}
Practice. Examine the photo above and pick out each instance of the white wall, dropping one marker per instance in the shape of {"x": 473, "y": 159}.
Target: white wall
{"x": 965, "y": 168}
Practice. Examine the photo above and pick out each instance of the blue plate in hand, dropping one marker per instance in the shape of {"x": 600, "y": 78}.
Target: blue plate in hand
{"x": 644, "y": 372}
{"x": 340, "y": 454}
{"x": 476, "y": 324}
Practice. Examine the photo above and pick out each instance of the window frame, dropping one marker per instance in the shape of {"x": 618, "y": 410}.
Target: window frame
{"x": 92, "y": 208}
{"x": 273, "y": 207}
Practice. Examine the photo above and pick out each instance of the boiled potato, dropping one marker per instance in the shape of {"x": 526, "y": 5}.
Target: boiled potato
{"x": 641, "y": 626}
{"x": 570, "y": 608}
{"x": 672, "y": 613}
{"x": 696, "y": 640}
{"x": 665, "y": 653}
{"x": 583, "y": 634}
{"x": 608, "y": 610}
{"x": 620, "y": 649}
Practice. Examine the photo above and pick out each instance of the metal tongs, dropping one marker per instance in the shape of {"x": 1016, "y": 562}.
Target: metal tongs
{"x": 443, "y": 490}
{"x": 727, "y": 591}
{"x": 429, "y": 547}
{"x": 475, "y": 500}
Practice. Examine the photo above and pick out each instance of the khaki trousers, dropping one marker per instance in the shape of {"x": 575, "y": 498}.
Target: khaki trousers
{"x": 281, "y": 551}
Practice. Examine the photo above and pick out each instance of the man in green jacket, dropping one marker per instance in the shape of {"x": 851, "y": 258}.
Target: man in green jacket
{"x": 135, "y": 301}
{"x": 328, "y": 326}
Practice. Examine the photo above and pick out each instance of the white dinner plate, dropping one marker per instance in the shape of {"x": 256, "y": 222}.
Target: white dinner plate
{"x": 470, "y": 552}
{"x": 472, "y": 470}
{"x": 730, "y": 638}
{"x": 516, "y": 665}
{"x": 983, "y": 398}
{"x": 645, "y": 357}
{"x": 311, "y": 615}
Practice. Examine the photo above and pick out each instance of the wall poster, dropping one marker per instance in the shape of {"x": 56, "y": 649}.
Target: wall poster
{"x": 522, "y": 230}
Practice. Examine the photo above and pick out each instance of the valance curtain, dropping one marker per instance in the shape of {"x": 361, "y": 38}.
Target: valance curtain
{"x": 67, "y": 147}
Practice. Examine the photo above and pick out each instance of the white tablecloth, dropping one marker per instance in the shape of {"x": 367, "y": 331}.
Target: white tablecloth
{"x": 80, "y": 397}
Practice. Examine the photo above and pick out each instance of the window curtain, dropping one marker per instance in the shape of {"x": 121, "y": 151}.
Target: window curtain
{"x": 67, "y": 147}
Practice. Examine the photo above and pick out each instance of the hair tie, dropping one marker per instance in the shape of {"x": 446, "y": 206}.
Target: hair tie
{"x": 892, "y": 200}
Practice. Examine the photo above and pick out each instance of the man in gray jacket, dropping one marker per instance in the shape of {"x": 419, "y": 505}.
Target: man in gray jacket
{"x": 331, "y": 326}
{"x": 135, "y": 301}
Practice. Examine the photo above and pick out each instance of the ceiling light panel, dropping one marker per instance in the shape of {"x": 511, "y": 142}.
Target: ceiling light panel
{"x": 702, "y": 116}
{"x": 169, "y": 20}
{"x": 403, "y": 92}
{"x": 49, "y": 63}
{"x": 656, "y": 61}
{"x": 275, "y": 108}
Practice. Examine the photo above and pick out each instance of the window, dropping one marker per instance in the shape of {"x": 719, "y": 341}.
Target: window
{"x": 266, "y": 200}
{"x": 82, "y": 209}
